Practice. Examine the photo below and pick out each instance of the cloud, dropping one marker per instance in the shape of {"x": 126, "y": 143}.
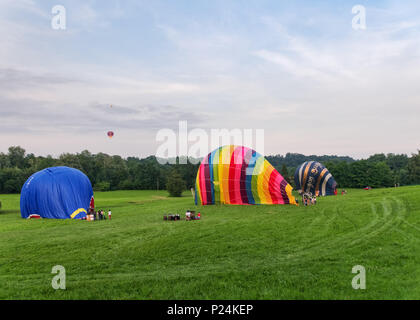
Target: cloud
{"x": 11, "y": 78}
{"x": 346, "y": 57}
{"x": 289, "y": 64}
{"x": 37, "y": 116}
{"x": 29, "y": 6}
{"x": 217, "y": 65}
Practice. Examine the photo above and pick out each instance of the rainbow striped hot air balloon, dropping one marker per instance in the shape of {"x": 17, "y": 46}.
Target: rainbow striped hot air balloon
{"x": 240, "y": 175}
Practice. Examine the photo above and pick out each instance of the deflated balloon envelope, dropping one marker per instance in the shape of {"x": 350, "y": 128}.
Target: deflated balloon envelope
{"x": 312, "y": 177}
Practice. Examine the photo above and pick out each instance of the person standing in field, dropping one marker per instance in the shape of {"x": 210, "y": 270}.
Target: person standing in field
{"x": 306, "y": 199}
{"x": 109, "y": 214}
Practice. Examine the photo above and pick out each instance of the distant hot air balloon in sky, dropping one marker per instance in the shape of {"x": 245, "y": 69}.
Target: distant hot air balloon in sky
{"x": 110, "y": 134}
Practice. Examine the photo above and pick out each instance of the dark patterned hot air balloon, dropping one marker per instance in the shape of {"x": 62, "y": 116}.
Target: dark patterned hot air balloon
{"x": 312, "y": 177}
{"x": 110, "y": 134}
{"x": 239, "y": 175}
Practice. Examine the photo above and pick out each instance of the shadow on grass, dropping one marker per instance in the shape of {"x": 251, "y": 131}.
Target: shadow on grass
{"x": 9, "y": 212}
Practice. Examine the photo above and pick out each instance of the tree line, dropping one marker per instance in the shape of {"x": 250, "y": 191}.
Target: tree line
{"x": 377, "y": 171}
{"x": 108, "y": 172}
{"x": 104, "y": 171}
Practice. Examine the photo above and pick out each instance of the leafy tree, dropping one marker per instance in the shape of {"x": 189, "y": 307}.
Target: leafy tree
{"x": 175, "y": 184}
{"x": 102, "y": 186}
{"x": 126, "y": 185}
{"x": 397, "y": 162}
{"x": 12, "y": 180}
{"x": 4, "y": 161}
{"x": 284, "y": 172}
{"x": 379, "y": 157}
{"x": 17, "y": 157}
{"x": 402, "y": 177}
{"x": 42, "y": 163}
{"x": 414, "y": 168}
{"x": 380, "y": 175}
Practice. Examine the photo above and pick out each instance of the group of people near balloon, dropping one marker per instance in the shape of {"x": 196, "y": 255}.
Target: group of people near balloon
{"x": 308, "y": 199}
{"x": 97, "y": 215}
{"x": 189, "y": 215}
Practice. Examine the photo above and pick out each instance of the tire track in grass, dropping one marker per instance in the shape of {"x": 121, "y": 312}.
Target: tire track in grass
{"x": 319, "y": 222}
{"x": 387, "y": 222}
{"x": 320, "y": 244}
{"x": 408, "y": 235}
{"x": 384, "y": 218}
{"x": 319, "y": 218}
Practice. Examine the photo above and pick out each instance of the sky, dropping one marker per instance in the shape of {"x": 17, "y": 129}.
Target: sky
{"x": 296, "y": 69}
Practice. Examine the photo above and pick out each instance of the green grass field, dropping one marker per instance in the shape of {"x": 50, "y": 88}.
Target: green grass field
{"x": 234, "y": 252}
